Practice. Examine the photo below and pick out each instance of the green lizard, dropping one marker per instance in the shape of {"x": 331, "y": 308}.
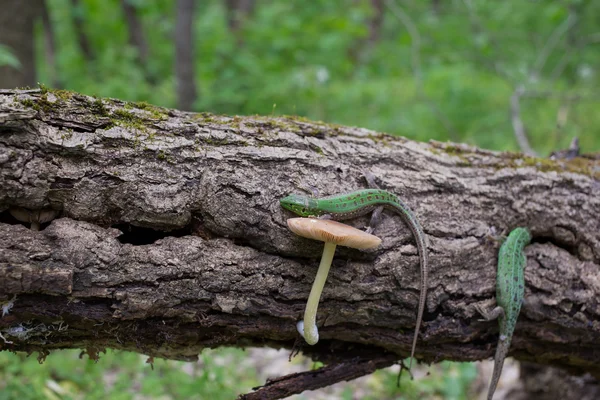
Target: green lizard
{"x": 510, "y": 289}
{"x": 361, "y": 202}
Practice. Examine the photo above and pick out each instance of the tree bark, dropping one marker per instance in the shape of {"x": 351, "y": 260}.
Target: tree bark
{"x": 78, "y": 13}
{"x": 137, "y": 39}
{"x": 170, "y": 238}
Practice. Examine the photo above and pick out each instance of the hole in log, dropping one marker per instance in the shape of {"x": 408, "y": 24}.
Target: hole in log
{"x": 138, "y": 236}
{"x": 569, "y": 247}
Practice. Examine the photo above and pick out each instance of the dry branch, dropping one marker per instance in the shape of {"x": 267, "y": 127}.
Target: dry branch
{"x": 170, "y": 238}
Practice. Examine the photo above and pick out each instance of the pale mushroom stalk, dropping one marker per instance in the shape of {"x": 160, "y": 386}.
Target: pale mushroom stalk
{"x": 311, "y": 334}
{"x": 332, "y": 233}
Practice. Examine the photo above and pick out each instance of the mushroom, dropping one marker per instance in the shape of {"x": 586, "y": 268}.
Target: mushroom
{"x": 35, "y": 217}
{"x": 332, "y": 233}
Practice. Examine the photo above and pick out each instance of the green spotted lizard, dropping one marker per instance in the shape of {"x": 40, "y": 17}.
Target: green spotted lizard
{"x": 510, "y": 290}
{"x": 361, "y": 202}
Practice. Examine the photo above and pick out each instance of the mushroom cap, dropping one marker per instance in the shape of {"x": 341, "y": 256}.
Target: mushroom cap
{"x": 41, "y": 216}
{"x": 332, "y": 231}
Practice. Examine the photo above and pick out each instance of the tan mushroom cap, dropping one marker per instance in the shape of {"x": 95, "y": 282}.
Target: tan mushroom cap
{"x": 40, "y": 216}
{"x": 332, "y": 231}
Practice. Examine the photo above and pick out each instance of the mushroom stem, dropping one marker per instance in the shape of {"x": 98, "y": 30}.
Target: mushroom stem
{"x": 311, "y": 333}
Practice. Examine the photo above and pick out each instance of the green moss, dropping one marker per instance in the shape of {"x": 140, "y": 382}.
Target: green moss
{"x": 205, "y": 117}
{"x": 59, "y": 93}
{"x": 98, "y": 108}
{"x": 28, "y": 103}
{"x": 44, "y": 89}
{"x": 577, "y": 165}
{"x": 156, "y": 112}
{"x": 126, "y": 116}
{"x": 331, "y": 128}
{"x": 43, "y": 104}
{"x": 208, "y": 118}
{"x": 316, "y": 148}
{"x": 165, "y": 156}
{"x": 66, "y": 134}
{"x": 128, "y": 119}
{"x": 217, "y": 142}
{"x": 380, "y": 138}
{"x": 456, "y": 151}
{"x": 299, "y": 118}
{"x": 282, "y": 124}
{"x": 63, "y": 94}
{"x": 39, "y": 104}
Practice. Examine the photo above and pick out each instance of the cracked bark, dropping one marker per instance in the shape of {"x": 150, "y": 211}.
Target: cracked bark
{"x": 170, "y": 238}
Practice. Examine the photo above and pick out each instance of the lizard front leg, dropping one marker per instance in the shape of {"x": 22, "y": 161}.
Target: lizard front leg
{"x": 490, "y": 315}
{"x": 376, "y": 215}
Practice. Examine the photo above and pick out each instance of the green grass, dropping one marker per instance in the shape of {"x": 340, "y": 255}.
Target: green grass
{"x": 219, "y": 374}
{"x": 124, "y": 375}
{"x": 446, "y": 380}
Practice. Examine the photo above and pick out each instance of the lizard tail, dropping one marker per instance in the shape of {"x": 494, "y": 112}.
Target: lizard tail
{"x": 422, "y": 297}
{"x": 419, "y": 236}
{"x": 422, "y": 248}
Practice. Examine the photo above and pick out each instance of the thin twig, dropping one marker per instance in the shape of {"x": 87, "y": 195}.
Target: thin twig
{"x": 288, "y": 385}
{"x": 517, "y": 123}
{"x": 591, "y": 97}
{"x": 542, "y": 58}
{"x": 551, "y": 43}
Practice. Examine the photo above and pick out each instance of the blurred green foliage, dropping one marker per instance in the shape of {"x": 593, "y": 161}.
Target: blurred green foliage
{"x": 118, "y": 375}
{"x": 219, "y": 374}
{"x": 446, "y": 380}
{"x": 8, "y": 58}
{"x": 452, "y": 81}
{"x": 315, "y": 60}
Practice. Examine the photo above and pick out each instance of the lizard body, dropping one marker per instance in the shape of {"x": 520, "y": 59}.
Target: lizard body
{"x": 361, "y": 202}
{"x": 510, "y": 291}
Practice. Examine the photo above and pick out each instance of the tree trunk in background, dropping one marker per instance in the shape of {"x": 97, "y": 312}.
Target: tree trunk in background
{"x": 360, "y": 52}
{"x": 548, "y": 383}
{"x": 435, "y": 6}
{"x": 237, "y": 11}
{"x": 77, "y": 13}
{"x": 137, "y": 39}
{"x": 184, "y": 55}
{"x": 50, "y": 46}
{"x": 376, "y": 22}
{"x": 17, "y": 19}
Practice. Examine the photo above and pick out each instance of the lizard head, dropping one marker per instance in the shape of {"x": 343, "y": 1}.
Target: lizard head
{"x": 303, "y": 206}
